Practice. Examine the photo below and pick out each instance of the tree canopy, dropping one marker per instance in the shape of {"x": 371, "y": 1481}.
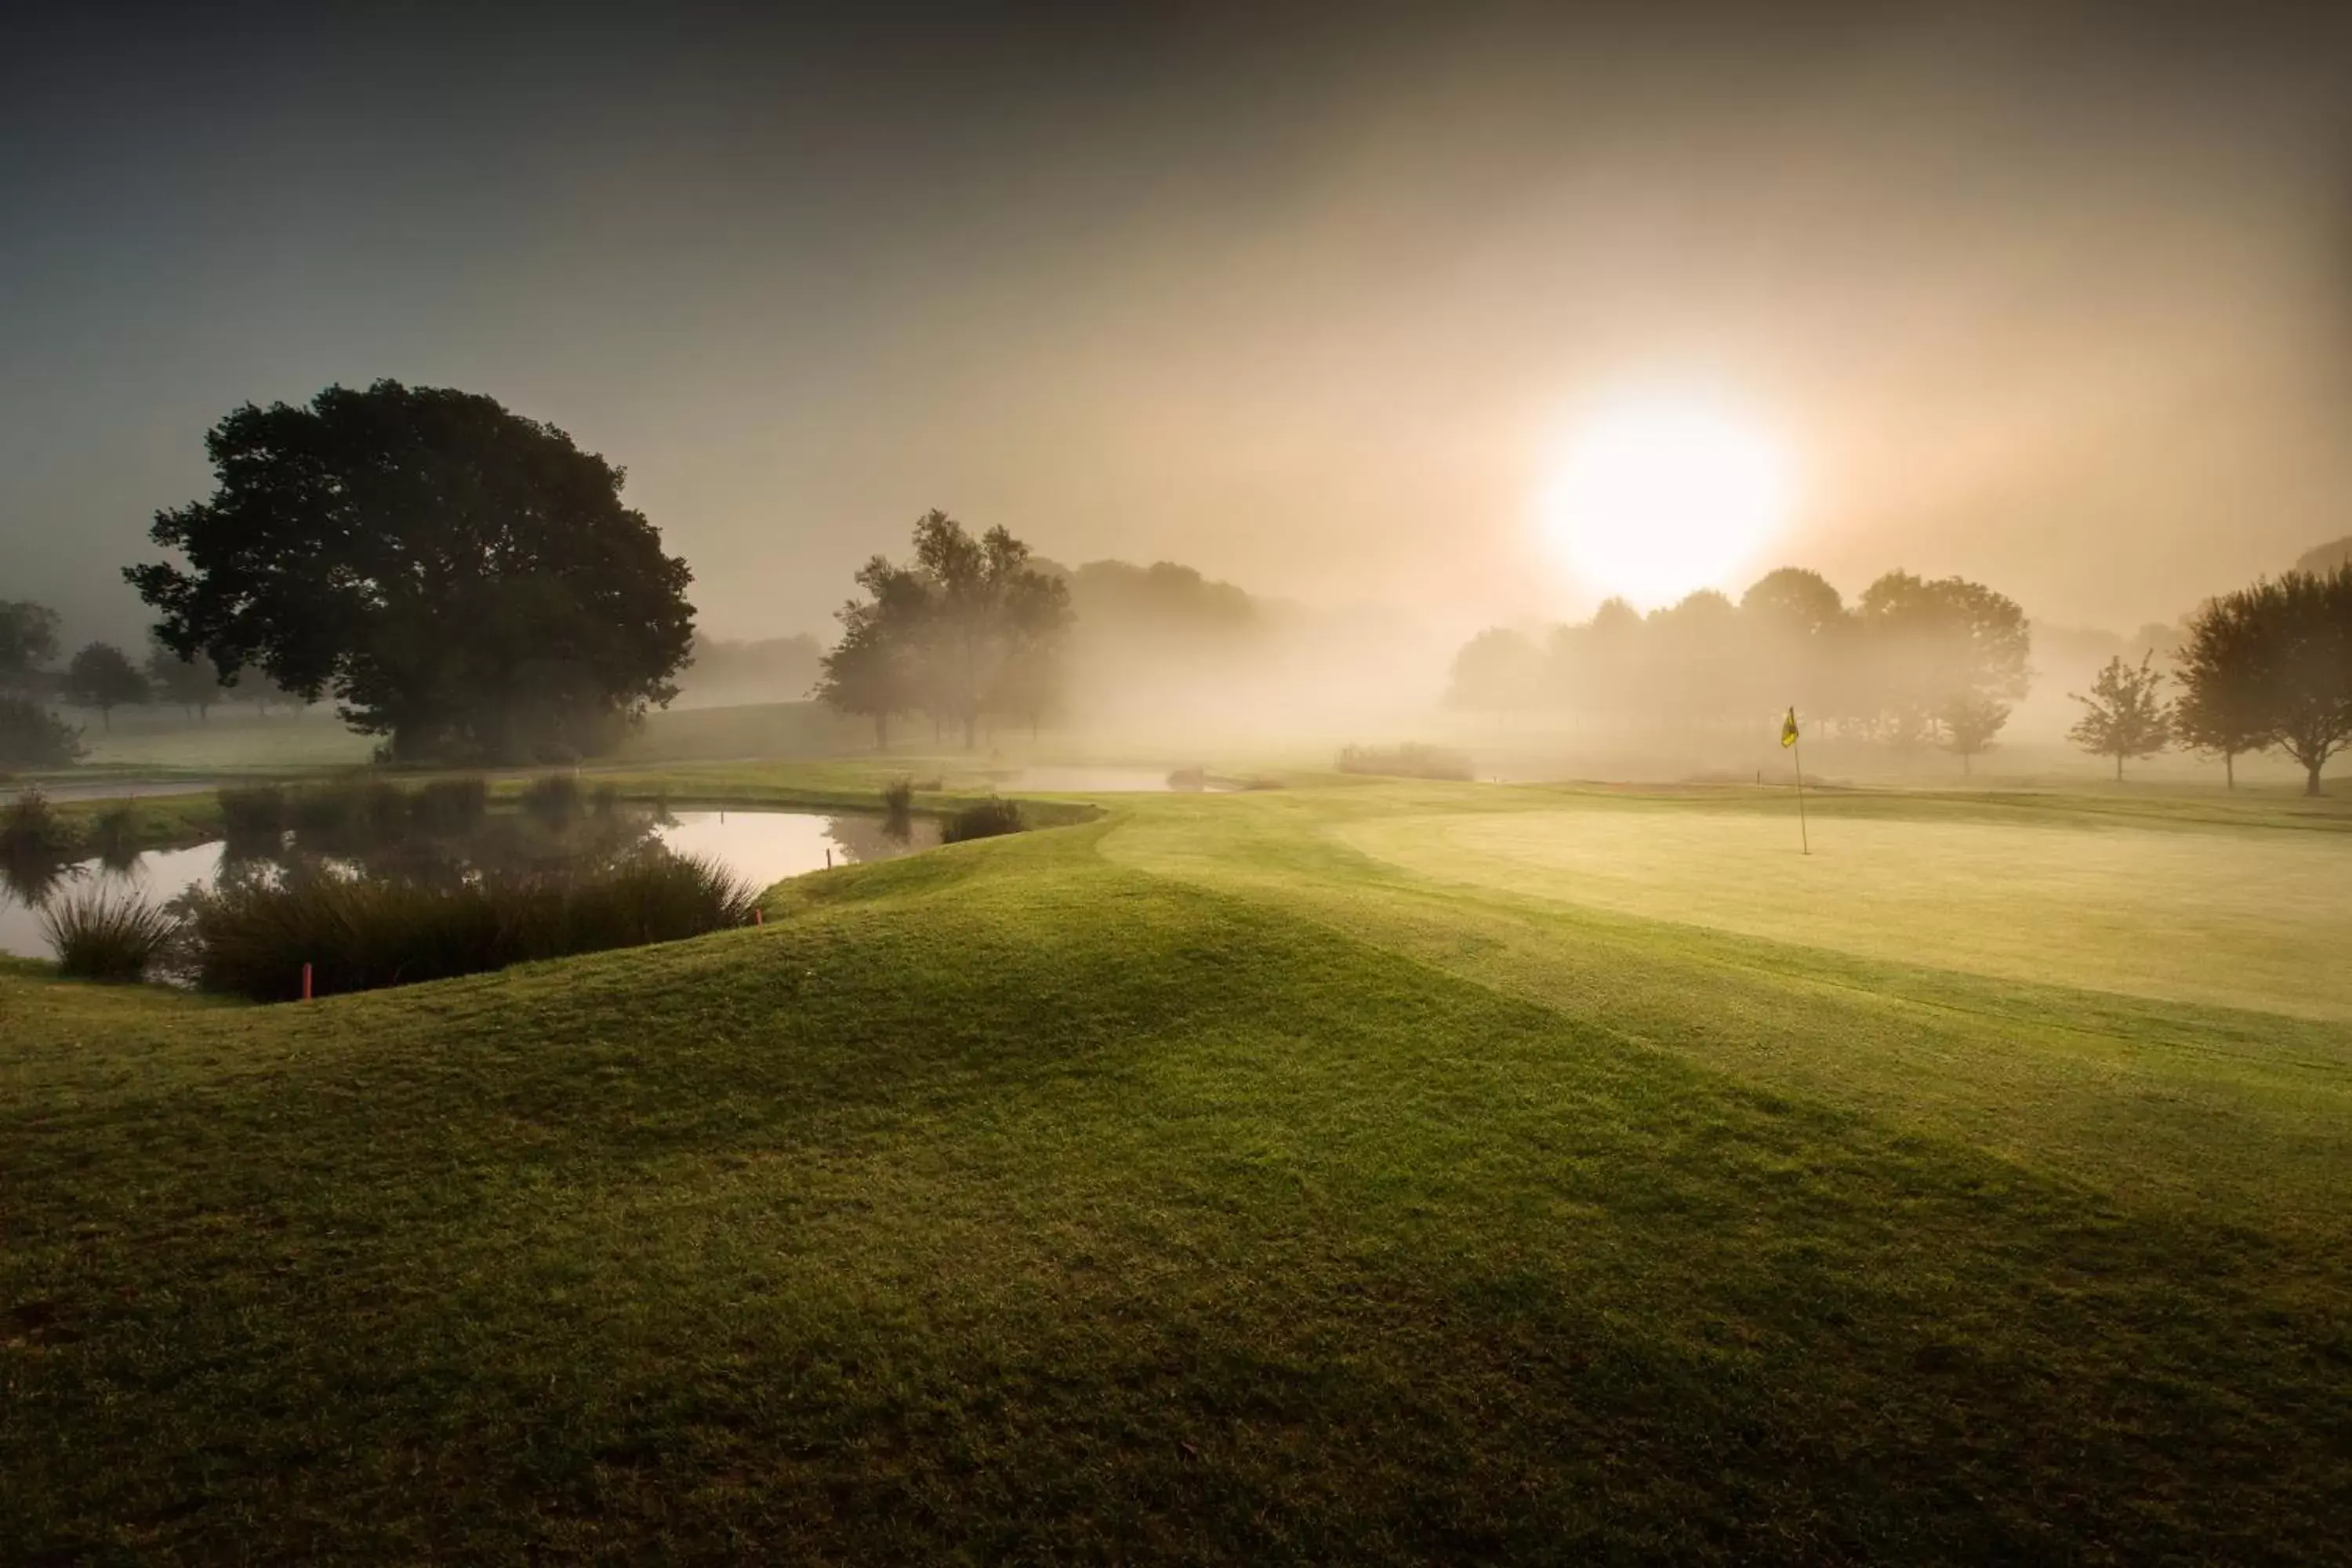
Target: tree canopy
{"x": 2123, "y": 714}
{"x": 461, "y": 579}
{"x": 1914, "y": 662}
{"x": 28, "y": 641}
{"x": 191, "y": 685}
{"x": 102, "y": 676}
{"x": 2272, "y": 666}
{"x": 967, "y": 627}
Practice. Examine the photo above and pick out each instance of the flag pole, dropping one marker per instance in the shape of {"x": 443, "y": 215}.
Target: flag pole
{"x": 1797, "y": 750}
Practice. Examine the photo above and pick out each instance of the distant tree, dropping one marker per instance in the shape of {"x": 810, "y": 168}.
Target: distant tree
{"x": 1498, "y": 671}
{"x": 769, "y": 669}
{"x": 968, "y": 625}
{"x": 872, "y": 672}
{"x": 2222, "y": 709}
{"x": 28, "y": 640}
{"x": 2285, "y": 650}
{"x": 102, "y": 676}
{"x": 1927, "y": 645}
{"x": 463, "y": 580}
{"x": 1792, "y": 597}
{"x": 987, "y": 607}
{"x": 1967, "y": 724}
{"x": 31, "y": 737}
{"x": 190, "y": 685}
{"x": 2124, "y": 716}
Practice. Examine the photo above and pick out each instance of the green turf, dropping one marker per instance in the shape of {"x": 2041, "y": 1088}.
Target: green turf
{"x": 1191, "y": 1185}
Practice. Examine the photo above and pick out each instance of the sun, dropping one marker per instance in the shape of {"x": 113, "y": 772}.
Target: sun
{"x": 1656, "y": 494}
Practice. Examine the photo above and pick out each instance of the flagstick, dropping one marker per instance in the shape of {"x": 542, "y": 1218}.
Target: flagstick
{"x": 1797, "y": 749}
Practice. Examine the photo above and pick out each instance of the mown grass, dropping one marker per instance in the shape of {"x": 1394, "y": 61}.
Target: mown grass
{"x": 1187, "y": 1185}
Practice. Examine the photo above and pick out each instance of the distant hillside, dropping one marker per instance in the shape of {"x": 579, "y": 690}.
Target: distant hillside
{"x": 2326, "y": 557}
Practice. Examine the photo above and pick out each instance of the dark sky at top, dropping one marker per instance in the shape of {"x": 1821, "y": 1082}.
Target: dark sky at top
{"x": 2055, "y": 297}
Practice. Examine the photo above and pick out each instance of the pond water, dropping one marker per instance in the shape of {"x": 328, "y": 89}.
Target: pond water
{"x": 760, "y": 847}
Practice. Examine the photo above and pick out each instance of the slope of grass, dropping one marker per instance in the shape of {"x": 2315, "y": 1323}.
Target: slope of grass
{"x": 1186, "y": 1185}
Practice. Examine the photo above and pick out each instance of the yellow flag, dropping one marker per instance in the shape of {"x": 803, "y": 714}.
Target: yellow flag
{"x": 1789, "y": 729}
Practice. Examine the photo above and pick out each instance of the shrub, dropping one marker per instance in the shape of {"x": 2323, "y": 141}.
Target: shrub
{"x": 29, "y": 829}
{"x": 1412, "y": 760}
{"x": 985, "y": 820}
{"x": 1189, "y": 781}
{"x": 114, "y": 835}
{"x": 326, "y": 808}
{"x": 450, "y": 806}
{"x": 31, "y": 738}
{"x": 102, "y": 935}
{"x": 552, "y": 798}
{"x": 254, "y": 812}
{"x": 899, "y": 797}
{"x": 251, "y": 935}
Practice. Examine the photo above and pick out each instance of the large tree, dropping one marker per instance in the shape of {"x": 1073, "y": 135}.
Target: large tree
{"x": 461, "y": 579}
{"x": 2222, "y": 708}
{"x": 102, "y": 676}
{"x": 2276, "y": 658}
{"x": 28, "y": 640}
{"x": 1499, "y": 671}
{"x": 1929, "y": 645}
{"x": 969, "y": 623}
{"x": 874, "y": 671}
{"x": 2123, "y": 714}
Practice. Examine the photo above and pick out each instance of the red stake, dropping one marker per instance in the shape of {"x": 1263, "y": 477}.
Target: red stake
{"x": 306, "y": 982}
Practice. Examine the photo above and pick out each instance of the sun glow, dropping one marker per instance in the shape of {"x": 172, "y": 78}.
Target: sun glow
{"x": 1656, "y": 495}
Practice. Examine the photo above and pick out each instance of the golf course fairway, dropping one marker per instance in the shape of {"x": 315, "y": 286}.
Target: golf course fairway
{"x": 1357, "y": 1171}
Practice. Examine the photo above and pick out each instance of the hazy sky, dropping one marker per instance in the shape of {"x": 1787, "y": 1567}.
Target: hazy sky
{"x": 1304, "y": 297}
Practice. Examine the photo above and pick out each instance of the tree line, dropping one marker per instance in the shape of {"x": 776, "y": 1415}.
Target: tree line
{"x": 2266, "y": 667}
{"x": 100, "y": 676}
{"x": 1912, "y": 662}
{"x": 967, "y": 629}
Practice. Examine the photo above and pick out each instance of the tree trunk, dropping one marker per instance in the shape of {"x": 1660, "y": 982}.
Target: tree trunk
{"x": 2311, "y": 778}
{"x": 2119, "y": 767}
{"x": 2230, "y": 768}
{"x": 106, "y": 725}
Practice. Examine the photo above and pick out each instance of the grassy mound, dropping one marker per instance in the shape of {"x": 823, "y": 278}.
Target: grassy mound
{"x": 1184, "y": 1186}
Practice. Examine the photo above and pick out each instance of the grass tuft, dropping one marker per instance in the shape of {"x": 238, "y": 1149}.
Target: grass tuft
{"x": 251, "y": 935}
{"x": 102, "y": 934}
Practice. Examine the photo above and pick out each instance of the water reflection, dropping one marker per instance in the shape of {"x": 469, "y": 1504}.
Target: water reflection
{"x": 760, "y": 847}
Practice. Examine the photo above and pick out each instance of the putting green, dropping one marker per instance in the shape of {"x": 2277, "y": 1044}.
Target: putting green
{"x": 2247, "y": 919}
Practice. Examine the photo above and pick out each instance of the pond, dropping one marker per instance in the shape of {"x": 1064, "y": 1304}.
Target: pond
{"x": 760, "y": 846}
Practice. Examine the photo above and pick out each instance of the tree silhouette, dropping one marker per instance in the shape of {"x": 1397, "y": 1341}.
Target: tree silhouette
{"x": 969, "y": 627}
{"x": 102, "y": 676}
{"x": 190, "y": 685}
{"x": 2122, "y": 716}
{"x": 1925, "y": 645}
{"x": 2282, "y": 661}
{"x": 28, "y": 640}
{"x": 463, "y": 580}
{"x": 2222, "y": 708}
{"x": 1968, "y": 722}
